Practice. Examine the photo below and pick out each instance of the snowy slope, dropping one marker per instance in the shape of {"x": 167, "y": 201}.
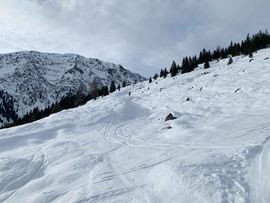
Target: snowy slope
{"x": 119, "y": 149}
{"x": 33, "y": 79}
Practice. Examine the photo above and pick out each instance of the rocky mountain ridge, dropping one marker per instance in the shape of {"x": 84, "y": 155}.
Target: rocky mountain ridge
{"x": 32, "y": 79}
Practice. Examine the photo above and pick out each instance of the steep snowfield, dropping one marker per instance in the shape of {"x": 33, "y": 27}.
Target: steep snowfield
{"x": 119, "y": 149}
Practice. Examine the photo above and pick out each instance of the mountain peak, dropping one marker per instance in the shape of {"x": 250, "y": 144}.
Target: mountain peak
{"x": 36, "y": 79}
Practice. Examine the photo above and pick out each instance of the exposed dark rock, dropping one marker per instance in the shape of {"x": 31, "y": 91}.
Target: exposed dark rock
{"x": 170, "y": 117}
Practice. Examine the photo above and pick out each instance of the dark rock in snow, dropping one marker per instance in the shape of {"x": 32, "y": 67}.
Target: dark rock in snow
{"x": 238, "y": 89}
{"x": 170, "y": 117}
{"x": 167, "y": 128}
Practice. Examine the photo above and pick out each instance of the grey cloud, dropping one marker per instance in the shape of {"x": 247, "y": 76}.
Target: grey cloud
{"x": 142, "y": 35}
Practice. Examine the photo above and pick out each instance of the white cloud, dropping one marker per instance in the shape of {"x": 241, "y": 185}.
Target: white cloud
{"x": 142, "y": 35}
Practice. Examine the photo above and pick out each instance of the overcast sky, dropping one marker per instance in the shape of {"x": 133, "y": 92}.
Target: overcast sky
{"x": 142, "y": 35}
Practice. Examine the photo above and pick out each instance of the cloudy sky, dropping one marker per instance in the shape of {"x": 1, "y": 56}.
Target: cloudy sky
{"x": 142, "y": 35}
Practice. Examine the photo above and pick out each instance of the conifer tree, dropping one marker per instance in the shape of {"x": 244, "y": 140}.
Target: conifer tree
{"x": 165, "y": 73}
{"x": 155, "y": 76}
{"x": 179, "y": 69}
{"x": 79, "y": 97}
{"x": 124, "y": 84}
{"x": 185, "y": 65}
{"x": 206, "y": 65}
{"x": 173, "y": 69}
{"x": 112, "y": 87}
{"x": 150, "y": 80}
{"x": 55, "y": 108}
{"x": 105, "y": 91}
{"x": 161, "y": 73}
{"x": 230, "y": 61}
{"x": 94, "y": 88}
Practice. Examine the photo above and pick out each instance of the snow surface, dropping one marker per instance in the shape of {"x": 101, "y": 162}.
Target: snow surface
{"x": 120, "y": 149}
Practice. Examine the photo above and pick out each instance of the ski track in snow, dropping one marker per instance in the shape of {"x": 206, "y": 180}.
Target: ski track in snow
{"x": 119, "y": 149}
{"x": 260, "y": 175}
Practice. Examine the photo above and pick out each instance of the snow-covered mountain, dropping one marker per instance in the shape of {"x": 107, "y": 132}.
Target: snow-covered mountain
{"x": 120, "y": 149}
{"x": 33, "y": 79}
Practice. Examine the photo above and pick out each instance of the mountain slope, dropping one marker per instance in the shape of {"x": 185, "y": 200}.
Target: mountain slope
{"x": 119, "y": 149}
{"x": 34, "y": 79}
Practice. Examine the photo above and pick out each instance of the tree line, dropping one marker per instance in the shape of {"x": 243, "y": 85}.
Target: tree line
{"x": 67, "y": 102}
{"x": 248, "y": 46}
